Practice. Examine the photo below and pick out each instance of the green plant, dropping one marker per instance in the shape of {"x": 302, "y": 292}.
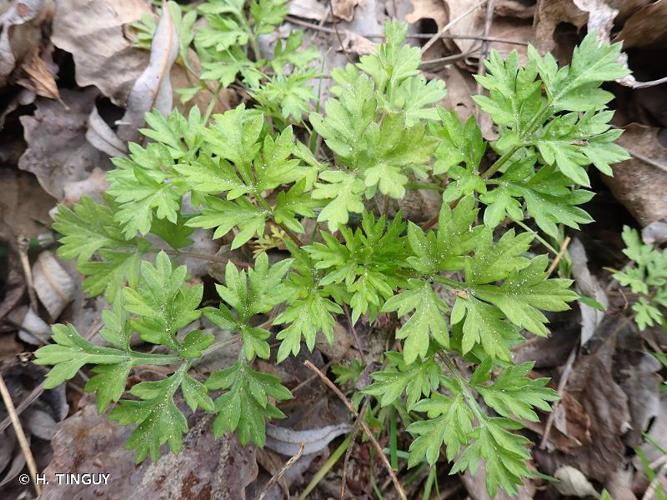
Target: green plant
{"x": 464, "y": 292}
{"x": 647, "y": 279}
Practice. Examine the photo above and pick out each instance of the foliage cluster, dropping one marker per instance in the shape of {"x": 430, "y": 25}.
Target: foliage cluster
{"x": 465, "y": 289}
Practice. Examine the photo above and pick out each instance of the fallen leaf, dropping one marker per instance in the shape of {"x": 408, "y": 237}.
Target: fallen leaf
{"x": 307, "y": 9}
{"x": 24, "y": 206}
{"x": 40, "y": 76}
{"x": 93, "y": 186}
{"x": 551, "y": 13}
{"x": 288, "y": 442}
{"x": 571, "y": 482}
{"x": 646, "y": 27}
{"x": 58, "y": 152}
{"x": 92, "y": 31}
{"x": 102, "y": 137}
{"x": 205, "y": 468}
{"x": 344, "y": 9}
{"x": 640, "y": 186}
{"x": 589, "y": 285}
{"x": 20, "y": 33}
{"x": 53, "y": 285}
{"x": 34, "y": 330}
{"x": 152, "y": 90}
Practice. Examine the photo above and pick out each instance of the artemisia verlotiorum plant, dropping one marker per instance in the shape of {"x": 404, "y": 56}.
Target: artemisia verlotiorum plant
{"x": 465, "y": 291}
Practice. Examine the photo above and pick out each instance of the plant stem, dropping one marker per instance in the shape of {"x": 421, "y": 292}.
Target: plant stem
{"x": 498, "y": 164}
{"x": 537, "y": 236}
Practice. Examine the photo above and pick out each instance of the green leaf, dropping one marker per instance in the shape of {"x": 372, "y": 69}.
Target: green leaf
{"x": 514, "y": 394}
{"x": 416, "y": 380}
{"x": 449, "y": 422}
{"x": 71, "y": 352}
{"x": 162, "y": 302}
{"x": 427, "y": 320}
{"x": 505, "y": 455}
{"x": 246, "y": 405}
{"x": 159, "y": 419}
{"x": 484, "y": 325}
{"x": 225, "y": 215}
{"x": 525, "y": 293}
{"x": 344, "y": 193}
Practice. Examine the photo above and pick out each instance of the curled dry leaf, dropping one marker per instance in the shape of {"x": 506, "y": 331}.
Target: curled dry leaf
{"x": 153, "y": 88}
{"x": 641, "y": 186}
{"x": 40, "y": 75}
{"x": 589, "y": 285}
{"x": 102, "y": 137}
{"x": 20, "y": 33}
{"x": 92, "y": 31}
{"x": 288, "y": 442}
{"x": 54, "y": 287}
{"x": 344, "y": 9}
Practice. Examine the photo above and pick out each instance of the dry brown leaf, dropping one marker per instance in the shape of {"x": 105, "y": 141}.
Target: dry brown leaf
{"x": 428, "y": 9}
{"x": 551, "y": 13}
{"x": 646, "y": 26}
{"x": 344, "y": 9}
{"x": 357, "y": 44}
{"x": 152, "y": 90}
{"x": 307, "y": 9}
{"x": 606, "y": 405}
{"x": 92, "y": 31}
{"x": 20, "y": 33}
{"x": 40, "y": 76}
{"x": 102, "y": 137}
{"x": 205, "y": 468}
{"x": 24, "y": 206}
{"x": 54, "y": 287}
{"x": 638, "y": 185}
{"x": 93, "y": 186}
{"x": 58, "y": 152}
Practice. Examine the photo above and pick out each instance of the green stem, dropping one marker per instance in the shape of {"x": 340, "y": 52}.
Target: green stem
{"x": 537, "y": 236}
{"x": 140, "y": 358}
{"x": 328, "y": 465}
{"x": 211, "y": 105}
{"x": 498, "y": 164}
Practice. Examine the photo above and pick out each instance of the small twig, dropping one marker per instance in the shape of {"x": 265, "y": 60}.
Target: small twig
{"x": 488, "y": 20}
{"x": 22, "y": 246}
{"x": 371, "y": 437}
{"x": 20, "y": 434}
{"x": 346, "y": 460}
{"x": 353, "y": 330}
{"x": 340, "y": 40}
{"x": 652, "y": 83}
{"x": 39, "y": 389}
{"x": 645, "y": 159}
{"x": 561, "y": 388}
{"x": 451, "y": 23}
{"x": 454, "y": 57}
{"x": 559, "y": 255}
{"x": 418, "y": 36}
{"x": 281, "y": 473}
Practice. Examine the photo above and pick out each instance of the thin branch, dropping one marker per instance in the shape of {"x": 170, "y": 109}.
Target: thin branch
{"x": 281, "y": 473}
{"x": 417, "y": 36}
{"x": 485, "y": 47}
{"x": 22, "y": 247}
{"x": 371, "y": 437}
{"x": 348, "y": 452}
{"x": 559, "y": 255}
{"x": 20, "y": 434}
{"x": 451, "y": 23}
